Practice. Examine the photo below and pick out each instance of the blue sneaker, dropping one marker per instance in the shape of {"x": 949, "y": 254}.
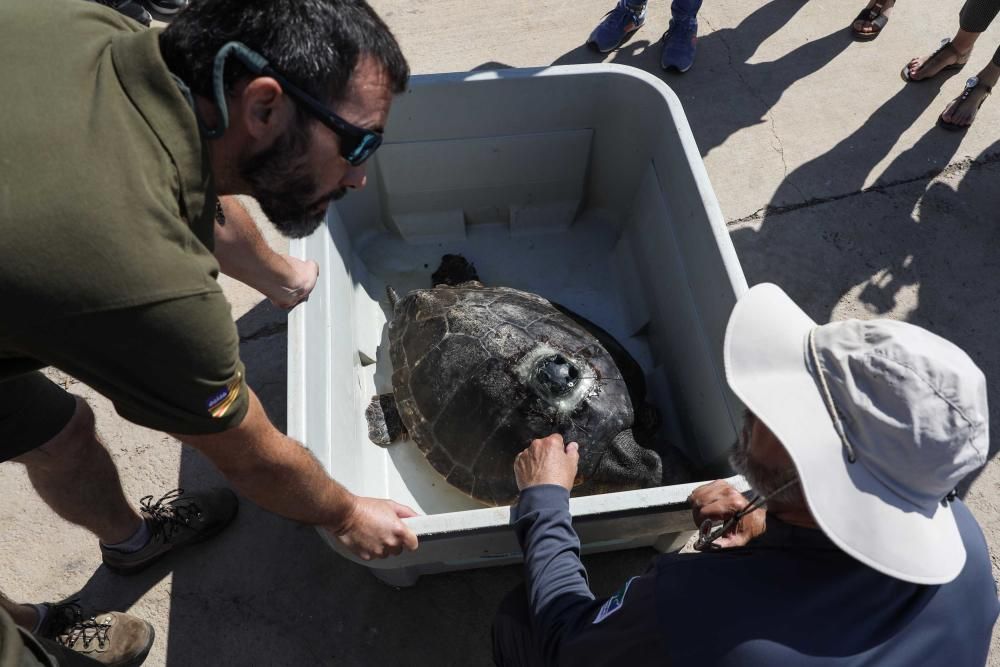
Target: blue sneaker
{"x": 617, "y": 26}
{"x": 679, "y": 44}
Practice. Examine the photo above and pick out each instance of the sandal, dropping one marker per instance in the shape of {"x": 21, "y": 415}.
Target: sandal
{"x": 875, "y": 17}
{"x": 946, "y": 45}
{"x": 970, "y": 86}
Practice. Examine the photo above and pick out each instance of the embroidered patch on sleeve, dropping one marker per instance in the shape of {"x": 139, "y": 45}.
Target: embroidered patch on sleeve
{"x": 220, "y": 403}
{"x": 613, "y": 603}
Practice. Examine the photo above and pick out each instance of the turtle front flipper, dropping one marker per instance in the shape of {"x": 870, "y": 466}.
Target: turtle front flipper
{"x": 384, "y": 423}
{"x": 625, "y": 465}
{"x": 393, "y": 297}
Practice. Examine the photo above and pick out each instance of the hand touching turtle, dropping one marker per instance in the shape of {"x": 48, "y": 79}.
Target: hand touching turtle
{"x": 547, "y": 461}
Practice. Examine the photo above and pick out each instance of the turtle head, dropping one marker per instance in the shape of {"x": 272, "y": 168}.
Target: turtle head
{"x": 555, "y": 376}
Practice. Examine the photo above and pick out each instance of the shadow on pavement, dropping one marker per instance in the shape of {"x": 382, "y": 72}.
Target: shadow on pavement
{"x": 845, "y": 168}
{"x": 915, "y": 251}
{"x": 724, "y": 91}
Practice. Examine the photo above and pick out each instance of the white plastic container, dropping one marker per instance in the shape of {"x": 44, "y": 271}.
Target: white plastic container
{"x": 580, "y": 183}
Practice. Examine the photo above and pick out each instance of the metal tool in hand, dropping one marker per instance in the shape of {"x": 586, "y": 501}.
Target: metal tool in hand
{"x": 710, "y": 531}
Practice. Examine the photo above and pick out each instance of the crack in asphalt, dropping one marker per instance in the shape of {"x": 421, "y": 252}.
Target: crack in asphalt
{"x": 777, "y": 145}
{"x": 966, "y": 164}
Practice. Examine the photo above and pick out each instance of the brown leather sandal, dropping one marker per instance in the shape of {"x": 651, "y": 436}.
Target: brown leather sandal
{"x": 970, "y": 86}
{"x": 946, "y": 45}
{"x": 875, "y": 17}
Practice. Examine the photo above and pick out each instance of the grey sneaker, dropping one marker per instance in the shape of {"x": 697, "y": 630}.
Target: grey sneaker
{"x": 175, "y": 520}
{"x": 110, "y": 638}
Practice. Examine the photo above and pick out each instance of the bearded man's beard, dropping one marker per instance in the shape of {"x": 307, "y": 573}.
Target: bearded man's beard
{"x": 763, "y": 480}
{"x": 282, "y": 185}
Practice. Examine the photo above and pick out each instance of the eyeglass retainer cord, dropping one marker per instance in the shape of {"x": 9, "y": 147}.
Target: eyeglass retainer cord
{"x": 250, "y": 59}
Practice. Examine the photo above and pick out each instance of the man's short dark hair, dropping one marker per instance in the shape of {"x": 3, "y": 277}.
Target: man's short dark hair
{"x": 315, "y": 43}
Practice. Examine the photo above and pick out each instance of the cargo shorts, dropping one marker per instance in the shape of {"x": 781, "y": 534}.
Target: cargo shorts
{"x": 33, "y": 410}
{"x": 172, "y": 366}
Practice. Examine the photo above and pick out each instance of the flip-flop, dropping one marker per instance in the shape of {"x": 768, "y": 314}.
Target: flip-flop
{"x": 970, "y": 85}
{"x": 874, "y": 16}
{"x": 945, "y": 44}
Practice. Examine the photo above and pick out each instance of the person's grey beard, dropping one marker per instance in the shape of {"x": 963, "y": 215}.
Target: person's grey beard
{"x": 282, "y": 186}
{"x": 763, "y": 480}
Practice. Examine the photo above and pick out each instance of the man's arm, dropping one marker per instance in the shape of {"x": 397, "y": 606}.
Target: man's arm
{"x": 243, "y": 254}
{"x": 558, "y": 590}
{"x": 281, "y": 476}
{"x": 570, "y": 626}
{"x": 559, "y": 593}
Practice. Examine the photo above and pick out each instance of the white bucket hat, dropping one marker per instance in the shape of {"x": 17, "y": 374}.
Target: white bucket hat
{"x": 881, "y": 418}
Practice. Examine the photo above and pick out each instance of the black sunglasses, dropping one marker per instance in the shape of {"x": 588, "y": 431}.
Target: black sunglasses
{"x": 356, "y": 143}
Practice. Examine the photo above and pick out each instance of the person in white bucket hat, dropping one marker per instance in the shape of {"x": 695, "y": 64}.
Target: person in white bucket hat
{"x": 857, "y": 434}
{"x": 881, "y": 419}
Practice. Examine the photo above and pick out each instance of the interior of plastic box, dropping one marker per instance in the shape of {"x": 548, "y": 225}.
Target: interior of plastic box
{"x": 577, "y": 188}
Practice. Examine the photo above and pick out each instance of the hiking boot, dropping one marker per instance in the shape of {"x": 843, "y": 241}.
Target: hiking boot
{"x": 175, "y": 521}
{"x": 617, "y": 26}
{"x": 129, "y": 8}
{"x": 679, "y": 44}
{"x": 110, "y": 638}
{"x": 167, "y": 7}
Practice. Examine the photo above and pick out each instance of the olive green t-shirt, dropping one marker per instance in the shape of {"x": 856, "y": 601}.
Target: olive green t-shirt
{"x": 106, "y": 221}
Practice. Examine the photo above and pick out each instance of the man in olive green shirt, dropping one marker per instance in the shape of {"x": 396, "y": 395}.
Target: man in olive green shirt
{"x": 115, "y": 145}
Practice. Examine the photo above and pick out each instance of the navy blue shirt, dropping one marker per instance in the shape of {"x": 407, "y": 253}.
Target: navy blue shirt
{"x": 790, "y": 597}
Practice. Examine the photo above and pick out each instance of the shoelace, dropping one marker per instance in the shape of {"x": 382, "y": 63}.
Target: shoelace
{"x": 166, "y": 518}
{"x": 623, "y": 14}
{"x": 69, "y": 626}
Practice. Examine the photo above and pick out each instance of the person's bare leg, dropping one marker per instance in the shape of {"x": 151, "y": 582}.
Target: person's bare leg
{"x": 24, "y": 615}
{"x": 959, "y": 112}
{"x": 75, "y": 476}
{"x": 932, "y": 64}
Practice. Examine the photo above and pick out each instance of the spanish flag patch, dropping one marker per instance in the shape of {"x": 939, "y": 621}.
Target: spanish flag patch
{"x": 219, "y": 404}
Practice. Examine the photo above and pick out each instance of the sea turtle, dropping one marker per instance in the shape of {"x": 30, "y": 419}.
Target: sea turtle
{"x": 481, "y": 371}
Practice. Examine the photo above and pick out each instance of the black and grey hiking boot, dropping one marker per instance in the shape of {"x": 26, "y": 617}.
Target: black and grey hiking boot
{"x": 110, "y": 638}
{"x": 129, "y": 8}
{"x": 176, "y": 520}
